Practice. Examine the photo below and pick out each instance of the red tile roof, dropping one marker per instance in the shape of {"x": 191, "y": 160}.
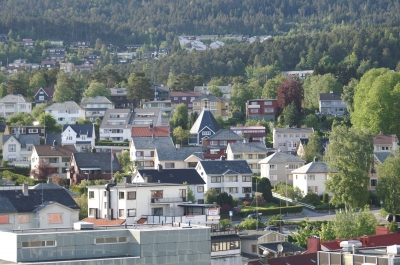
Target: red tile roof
{"x": 368, "y": 241}
{"x": 305, "y": 259}
{"x": 147, "y": 132}
{"x": 104, "y": 222}
{"x": 385, "y": 138}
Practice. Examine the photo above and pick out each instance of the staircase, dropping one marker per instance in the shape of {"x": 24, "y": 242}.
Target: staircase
{"x": 276, "y": 195}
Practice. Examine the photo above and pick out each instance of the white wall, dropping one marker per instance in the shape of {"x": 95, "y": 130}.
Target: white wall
{"x": 302, "y": 181}
{"x": 68, "y": 219}
{"x": 8, "y": 246}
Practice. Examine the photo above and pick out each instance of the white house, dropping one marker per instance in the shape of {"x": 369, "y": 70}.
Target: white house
{"x": 332, "y": 104}
{"x": 96, "y": 107}
{"x": 311, "y": 177}
{"x": 286, "y": 139}
{"x": 66, "y": 112}
{"x": 251, "y": 152}
{"x": 82, "y": 136}
{"x": 13, "y": 104}
{"x": 17, "y": 148}
{"x": 233, "y": 177}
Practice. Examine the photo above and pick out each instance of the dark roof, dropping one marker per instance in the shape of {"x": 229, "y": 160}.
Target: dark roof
{"x": 176, "y": 176}
{"x": 53, "y": 186}
{"x": 372, "y": 241}
{"x": 80, "y": 129}
{"x": 50, "y": 137}
{"x": 21, "y": 203}
{"x": 255, "y": 147}
{"x": 287, "y": 247}
{"x": 224, "y": 166}
{"x": 47, "y": 150}
{"x": 224, "y": 135}
{"x": 48, "y": 90}
{"x": 98, "y": 160}
{"x": 209, "y": 97}
{"x": 150, "y": 142}
{"x": 281, "y": 157}
{"x": 304, "y": 259}
{"x": 205, "y": 119}
{"x": 179, "y": 153}
{"x": 2, "y": 126}
{"x": 380, "y": 156}
{"x": 313, "y": 167}
{"x": 330, "y": 96}
{"x": 24, "y": 139}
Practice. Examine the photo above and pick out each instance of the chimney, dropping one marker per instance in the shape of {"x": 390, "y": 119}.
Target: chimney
{"x": 244, "y": 140}
{"x": 152, "y": 136}
{"x": 49, "y": 180}
{"x": 313, "y": 244}
{"x": 222, "y": 158}
{"x": 177, "y": 146}
{"x": 25, "y": 189}
{"x": 382, "y": 230}
{"x": 315, "y": 159}
{"x": 54, "y": 143}
{"x": 113, "y": 183}
{"x": 159, "y": 168}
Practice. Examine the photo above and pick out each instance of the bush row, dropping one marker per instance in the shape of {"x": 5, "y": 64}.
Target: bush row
{"x": 112, "y": 144}
{"x": 17, "y": 170}
{"x": 273, "y": 211}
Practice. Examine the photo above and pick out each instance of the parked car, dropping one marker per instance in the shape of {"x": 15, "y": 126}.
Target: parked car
{"x": 271, "y": 228}
{"x": 389, "y": 218}
{"x": 254, "y": 216}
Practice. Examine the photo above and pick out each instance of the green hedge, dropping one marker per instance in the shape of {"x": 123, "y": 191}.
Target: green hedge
{"x": 273, "y": 211}
{"x": 101, "y": 143}
{"x": 17, "y": 170}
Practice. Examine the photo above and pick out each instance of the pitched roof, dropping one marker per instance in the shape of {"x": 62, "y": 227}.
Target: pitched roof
{"x": 178, "y": 154}
{"x": 29, "y": 203}
{"x": 373, "y": 241}
{"x": 51, "y": 137}
{"x": 223, "y": 166}
{"x": 86, "y": 129}
{"x": 281, "y": 157}
{"x": 52, "y": 185}
{"x": 97, "y": 160}
{"x": 146, "y": 131}
{"x": 66, "y": 105}
{"x": 97, "y": 100}
{"x": 3, "y": 126}
{"x": 48, "y": 90}
{"x": 330, "y": 96}
{"x": 24, "y": 139}
{"x": 313, "y": 167}
{"x": 381, "y": 156}
{"x": 185, "y": 94}
{"x": 47, "y": 150}
{"x": 151, "y": 143}
{"x": 209, "y": 97}
{"x": 254, "y": 147}
{"x": 176, "y": 176}
{"x": 14, "y": 99}
{"x": 304, "y": 259}
{"x": 293, "y": 130}
{"x": 206, "y": 118}
{"x": 224, "y": 135}
{"x": 385, "y": 138}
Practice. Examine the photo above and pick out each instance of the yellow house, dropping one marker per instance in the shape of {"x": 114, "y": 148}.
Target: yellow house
{"x": 4, "y": 130}
{"x": 218, "y": 106}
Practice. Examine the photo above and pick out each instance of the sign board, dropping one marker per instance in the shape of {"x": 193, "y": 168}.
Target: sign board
{"x": 230, "y": 213}
{"x": 213, "y": 217}
{"x": 190, "y": 218}
{"x": 213, "y": 211}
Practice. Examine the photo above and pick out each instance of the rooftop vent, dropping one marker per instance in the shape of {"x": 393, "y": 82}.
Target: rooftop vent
{"x": 83, "y": 226}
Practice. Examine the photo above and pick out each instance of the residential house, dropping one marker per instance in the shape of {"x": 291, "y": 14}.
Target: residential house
{"x": 311, "y": 177}
{"x": 259, "y": 109}
{"x": 67, "y": 112}
{"x": 161, "y": 92}
{"x": 79, "y": 44}
{"x": 56, "y": 42}
{"x": 379, "y": 158}
{"x": 385, "y": 142}
{"x": 57, "y": 54}
{"x": 149, "y": 131}
{"x": 67, "y": 67}
{"x": 28, "y": 208}
{"x": 204, "y": 89}
{"x": 205, "y": 126}
{"x": 216, "y": 105}
{"x": 186, "y": 97}
{"x": 302, "y": 143}
{"x": 142, "y": 149}
{"x": 251, "y": 152}
{"x": 252, "y": 133}
{"x": 190, "y": 177}
{"x": 43, "y": 95}
{"x": 51, "y": 137}
{"x": 13, "y": 104}
{"x": 85, "y": 66}
{"x": 96, "y": 107}
{"x": 4, "y": 130}
{"x": 117, "y": 124}
{"x": 286, "y": 139}
{"x": 164, "y": 106}
{"x": 178, "y": 157}
{"x": 278, "y": 166}
{"x": 26, "y": 129}
{"x": 297, "y": 74}
{"x": 92, "y": 166}
{"x": 225, "y": 248}
{"x": 231, "y": 176}
{"x": 82, "y": 136}
{"x": 58, "y": 156}
{"x": 48, "y": 63}
{"x": 27, "y": 43}
{"x": 331, "y": 104}
{"x": 215, "y": 145}
{"x": 119, "y": 97}
{"x": 17, "y": 148}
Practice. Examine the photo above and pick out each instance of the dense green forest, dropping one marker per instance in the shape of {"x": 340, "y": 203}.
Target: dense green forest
{"x": 152, "y": 21}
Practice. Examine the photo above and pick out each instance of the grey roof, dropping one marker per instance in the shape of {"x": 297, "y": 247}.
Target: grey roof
{"x": 313, "y": 167}
{"x": 180, "y": 154}
{"x": 287, "y": 247}
{"x": 255, "y": 147}
{"x": 66, "y": 105}
{"x": 24, "y": 139}
{"x": 98, "y": 160}
{"x": 2, "y": 126}
{"x": 330, "y": 96}
{"x": 209, "y": 97}
{"x": 294, "y": 130}
{"x": 381, "y": 156}
{"x": 86, "y": 129}
{"x": 225, "y": 166}
{"x": 52, "y": 185}
{"x": 44, "y": 205}
{"x": 224, "y": 135}
{"x": 15, "y": 99}
{"x": 178, "y": 176}
{"x": 51, "y": 137}
{"x": 281, "y": 157}
{"x": 35, "y": 198}
{"x": 97, "y": 100}
{"x": 114, "y": 91}
{"x": 205, "y": 119}
{"x": 151, "y": 143}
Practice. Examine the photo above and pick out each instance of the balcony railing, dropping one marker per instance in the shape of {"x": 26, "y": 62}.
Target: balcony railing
{"x": 168, "y": 200}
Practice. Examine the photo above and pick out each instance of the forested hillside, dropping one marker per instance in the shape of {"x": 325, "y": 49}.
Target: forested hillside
{"x": 151, "y": 21}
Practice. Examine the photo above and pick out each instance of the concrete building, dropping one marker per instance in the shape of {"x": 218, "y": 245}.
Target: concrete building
{"x": 286, "y": 139}
{"x": 385, "y": 142}
{"x": 185, "y": 97}
{"x": 217, "y": 143}
{"x": 67, "y": 112}
{"x": 252, "y": 133}
{"x": 13, "y": 104}
{"x": 119, "y": 97}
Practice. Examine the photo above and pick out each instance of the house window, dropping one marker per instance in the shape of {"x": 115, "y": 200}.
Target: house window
{"x": 92, "y": 212}
{"x": 215, "y": 179}
{"x": 4, "y": 219}
{"x": 231, "y": 179}
{"x": 272, "y": 167}
{"x": 273, "y": 177}
{"x": 105, "y": 205}
{"x": 121, "y": 213}
{"x": 183, "y": 98}
{"x": 374, "y": 182}
{"x": 104, "y": 193}
{"x": 37, "y": 244}
{"x": 12, "y": 147}
{"x": 192, "y": 164}
{"x": 246, "y": 189}
{"x": 91, "y": 194}
{"x": 61, "y": 119}
{"x": 139, "y": 153}
{"x": 169, "y": 165}
{"x": 232, "y": 190}
{"x": 253, "y": 110}
{"x": 214, "y": 143}
{"x": 121, "y": 195}
{"x": 311, "y": 177}
{"x": 218, "y": 190}
{"x": 261, "y": 156}
{"x": 213, "y": 104}
{"x": 33, "y": 130}
{"x": 285, "y": 136}
{"x": 268, "y": 110}
{"x": 303, "y": 135}
{"x": 279, "y": 136}
{"x": 206, "y": 133}
{"x": 312, "y": 189}
{"x": 131, "y": 212}
{"x": 200, "y": 189}
{"x": 214, "y": 151}
{"x": 54, "y": 218}
{"x": 41, "y": 97}
{"x": 196, "y": 104}
{"x": 254, "y": 248}
{"x": 23, "y": 218}
{"x": 250, "y": 156}
{"x": 222, "y": 142}
{"x": 237, "y": 156}
{"x": 157, "y": 211}
{"x": 246, "y": 178}
{"x": 175, "y": 98}
{"x": 131, "y": 195}
{"x": 297, "y": 135}
{"x": 111, "y": 240}
{"x": 267, "y": 102}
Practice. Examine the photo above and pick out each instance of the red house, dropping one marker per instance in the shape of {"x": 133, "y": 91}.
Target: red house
{"x": 215, "y": 145}
{"x": 266, "y": 109}
{"x": 185, "y": 97}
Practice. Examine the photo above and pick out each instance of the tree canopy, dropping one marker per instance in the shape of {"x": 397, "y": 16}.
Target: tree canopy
{"x": 96, "y": 89}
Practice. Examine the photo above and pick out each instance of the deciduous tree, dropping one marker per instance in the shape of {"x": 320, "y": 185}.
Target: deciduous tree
{"x": 20, "y": 119}
{"x": 43, "y": 170}
{"x": 290, "y": 91}
{"x": 139, "y": 86}
{"x": 313, "y": 148}
{"x": 180, "y": 134}
{"x": 96, "y": 89}
{"x": 180, "y": 117}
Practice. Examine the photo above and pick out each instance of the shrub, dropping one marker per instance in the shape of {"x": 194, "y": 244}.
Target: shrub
{"x": 259, "y": 200}
{"x": 311, "y": 198}
{"x": 250, "y": 224}
{"x": 275, "y": 220}
{"x": 273, "y": 210}
{"x": 225, "y": 223}
{"x": 325, "y": 198}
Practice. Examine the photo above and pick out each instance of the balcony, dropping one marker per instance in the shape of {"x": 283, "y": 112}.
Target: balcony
{"x": 168, "y": 200}
{"x": 253, "y": 106}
